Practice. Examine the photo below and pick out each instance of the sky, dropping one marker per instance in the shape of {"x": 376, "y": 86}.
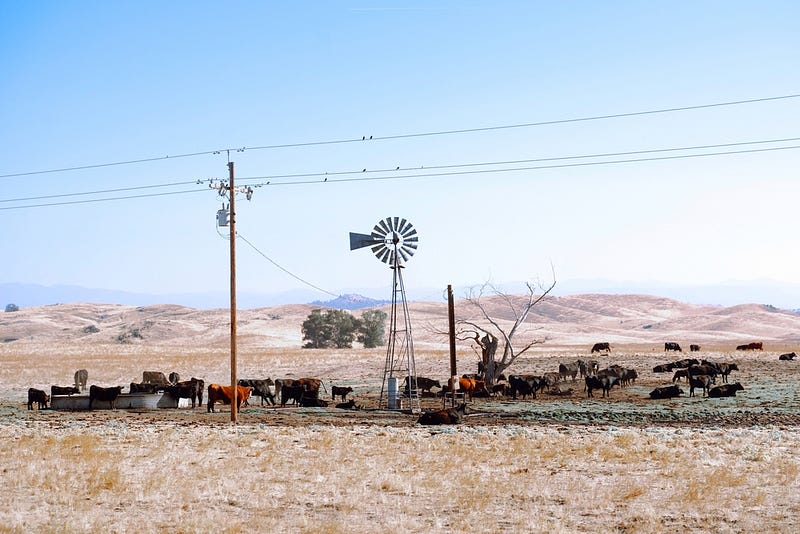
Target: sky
{"x": 449, "y": 92}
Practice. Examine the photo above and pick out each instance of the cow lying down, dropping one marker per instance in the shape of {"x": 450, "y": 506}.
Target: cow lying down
{"x": 725, "y": 390}
{"x": 666, "y": 392}
{"x": 450, "y": 416}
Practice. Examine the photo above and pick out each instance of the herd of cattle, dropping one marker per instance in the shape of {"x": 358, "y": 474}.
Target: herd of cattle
{"x": 305, "y": 392}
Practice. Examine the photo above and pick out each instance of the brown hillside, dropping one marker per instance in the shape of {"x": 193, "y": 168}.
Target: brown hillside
{"x": 576, "y": 319}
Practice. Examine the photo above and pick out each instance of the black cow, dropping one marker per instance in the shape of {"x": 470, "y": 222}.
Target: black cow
{"x": 263, "y": 388}
{"x": 600, "y": 347}
{"x": 81, "y": 376}
{"x": 145, "y": 388}
{"x": 788, "y": 356}
{"x": 700, "y": 381}
{"x": 669, "y": 345}
{"x": 666, "y": 392}
{"x": 725, "y": 390}
{"x": 63, "y": 390}
{"x": 694, "y": 348}
{"x": 663, "y": 368}
{"x": 725, "y": 369}
{"x": 423, "y": 384}
{"x": 605, "y": 382}
{"x": 293, "y": 392}
{"x": 568, "y": 369}
{"x": 341, "y": 391}
{"x": 525, "y": 385}
{"x": 312, "y": 402}
{"x": 451, "y": 416}
{"x": 174, "y": 378}
{"x": 39, "y": 397}
{"x": 188, "y": 389}
{"x": 104, "y": 394}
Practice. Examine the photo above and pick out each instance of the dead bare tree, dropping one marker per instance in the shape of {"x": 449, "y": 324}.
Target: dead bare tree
{"x": 487, "y": 332}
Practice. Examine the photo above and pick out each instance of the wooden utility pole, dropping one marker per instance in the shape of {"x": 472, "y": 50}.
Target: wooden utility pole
{"x": 451, "y": 321}
{"x": 234, "y": 406}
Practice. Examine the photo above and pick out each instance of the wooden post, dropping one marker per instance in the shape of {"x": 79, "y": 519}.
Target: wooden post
{"x": 451, "y": 322}
{"x": 234, "y": 392}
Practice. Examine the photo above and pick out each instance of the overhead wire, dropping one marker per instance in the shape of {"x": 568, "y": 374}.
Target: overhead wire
{"x": 404, "y": 136}
{"x": 284, "y": 269}
{"x": 432, "y": 174}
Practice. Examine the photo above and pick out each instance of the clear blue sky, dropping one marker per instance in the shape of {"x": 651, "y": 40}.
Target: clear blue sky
{"x": 88, "y": 83}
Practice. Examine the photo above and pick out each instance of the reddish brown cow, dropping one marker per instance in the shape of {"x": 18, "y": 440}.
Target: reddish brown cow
{"x": 471, "y": 387}
{"x": 450, "y": 416}
{"x": 223, "y": 394}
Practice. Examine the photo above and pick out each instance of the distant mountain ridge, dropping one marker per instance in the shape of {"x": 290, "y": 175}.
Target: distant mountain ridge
{"x": 350, "y": 302}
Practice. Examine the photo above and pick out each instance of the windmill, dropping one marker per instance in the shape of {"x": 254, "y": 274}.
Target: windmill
{"x": 393, "y": 241}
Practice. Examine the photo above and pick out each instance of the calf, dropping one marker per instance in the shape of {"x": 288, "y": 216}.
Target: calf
{"x": 224, "y": 394}
{"x": 63, "y": 390}
{"x": 341, "y": 391}
{"x": 108, "y": 395}
{"x": 39, "y": 397}
{"x": 725, "y": 390}
{"x": 725, "y": 369}
{"x": 451, "y": 416}
{"x": 174, "y": 378}
{"x": 666, "y": 392}
{"x": 694, "y": 348}
{"x": 788, "y": 356}
{"x": 700, "y": 381}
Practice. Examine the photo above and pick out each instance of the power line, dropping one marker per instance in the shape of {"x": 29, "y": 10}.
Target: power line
{"x": 517, "y": 161}
{"x": 427, "y": 168}
{"x": 90, "y": 201}
{"x": 405, "y": 136}
{"x": 273, "y": 262}
{"x": 434, "y": 175}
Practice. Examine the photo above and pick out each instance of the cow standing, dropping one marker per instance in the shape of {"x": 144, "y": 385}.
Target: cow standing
{"x": 223, "y": 394}
{"x": 39, "y": 397}
{"x": 108, "y": 395}
{"x": 81, "y": 377}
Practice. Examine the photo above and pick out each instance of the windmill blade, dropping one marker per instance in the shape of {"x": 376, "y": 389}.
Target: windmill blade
{"x": 411, "y": 232}
{"x": 404, "y": 226}
{"x": 377, "y": 249}
{"x": 360, "y": 240}
{"x": 384, "y": 255}
{"x": 383, "y": 227}
{"x": 396, "y": 223}
{"x": 404, "y": 255}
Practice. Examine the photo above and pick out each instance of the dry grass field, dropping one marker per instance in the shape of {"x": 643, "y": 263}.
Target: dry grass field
{"x": 557, "y": 463}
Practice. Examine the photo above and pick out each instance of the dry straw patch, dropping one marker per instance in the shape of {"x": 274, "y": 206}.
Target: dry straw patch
{"x": 370, "y": 479}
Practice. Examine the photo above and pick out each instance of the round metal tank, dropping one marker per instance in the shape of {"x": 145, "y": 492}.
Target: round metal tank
{"x": 393, "y": 396}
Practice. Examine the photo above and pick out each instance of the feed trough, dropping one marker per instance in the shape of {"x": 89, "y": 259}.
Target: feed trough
{"x": 125, "y": 400}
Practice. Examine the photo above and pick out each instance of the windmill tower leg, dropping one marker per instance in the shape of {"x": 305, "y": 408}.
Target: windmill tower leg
{"x": 400, "y": 363}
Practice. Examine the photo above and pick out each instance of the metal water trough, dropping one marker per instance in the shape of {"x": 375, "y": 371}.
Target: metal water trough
{"x": 125, "y": 400}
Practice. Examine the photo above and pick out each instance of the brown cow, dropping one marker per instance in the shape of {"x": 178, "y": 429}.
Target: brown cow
{"x": 223, "y": 394}
{"x": 755, "y": 345}
{"x": 451, "y": 416}
{"x": 472, "y": 386}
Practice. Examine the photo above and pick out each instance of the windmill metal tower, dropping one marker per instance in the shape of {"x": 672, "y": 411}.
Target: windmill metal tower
{"x": 393, "y": 241}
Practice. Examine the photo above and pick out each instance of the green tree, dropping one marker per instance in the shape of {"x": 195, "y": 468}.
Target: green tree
{"x": 331, "y": 329}
{"x": 373, "y": 325}
{"x": 316, "y": 331}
